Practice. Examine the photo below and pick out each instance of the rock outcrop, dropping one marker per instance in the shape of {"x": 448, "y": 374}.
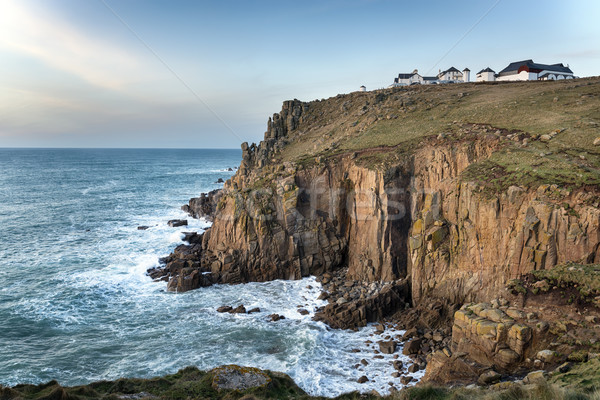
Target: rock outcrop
{"x": 204, "y": 206}
{"x": 421, "y": 217}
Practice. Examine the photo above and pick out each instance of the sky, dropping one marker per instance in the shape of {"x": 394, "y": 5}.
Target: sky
{"x": 208, "y": 74}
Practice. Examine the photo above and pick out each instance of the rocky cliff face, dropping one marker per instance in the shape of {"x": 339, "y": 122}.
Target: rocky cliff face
{"x": 417, "y": 219}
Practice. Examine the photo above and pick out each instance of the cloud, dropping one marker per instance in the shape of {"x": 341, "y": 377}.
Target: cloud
{"x": 64, "y": 48}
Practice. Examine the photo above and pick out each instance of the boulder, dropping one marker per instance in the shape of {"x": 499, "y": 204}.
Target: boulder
{"x": 363, "y": 379}
{"x": 412, "y": 347}
{"x": 488, "y": 378}
{"x": 546, "y": 356}
{"x": 254, "y": 310}
{"x": 238, "y": 310}
{"x": 534, "y": 377}
{"x": 142, "y": 227}
{"x": 413, "y": 368}
{"x": 387, "y": 347}
{"x": 275, "y": 317}
{"x": 405, "y": 380}
{"x": 224, "y": 309}
{"x": 174, "y": 223}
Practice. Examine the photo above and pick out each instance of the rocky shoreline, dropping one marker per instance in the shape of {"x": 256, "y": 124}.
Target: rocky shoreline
{"x": 442, "y": 237}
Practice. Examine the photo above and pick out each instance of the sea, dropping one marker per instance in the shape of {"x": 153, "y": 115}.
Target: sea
{"x": 77, "y": 306}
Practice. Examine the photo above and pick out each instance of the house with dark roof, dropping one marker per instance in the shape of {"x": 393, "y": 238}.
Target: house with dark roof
{"x": 486, "y": 75}
{"x": 414, "y": 78}
{"x": 527, "y": 70}
{"x": 453, "y": 75}
{"x": 408, "y": 79}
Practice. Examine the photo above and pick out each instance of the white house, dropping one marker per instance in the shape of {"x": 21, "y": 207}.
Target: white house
{"x": 414, "y": 78}
{"x": 408, "y": 79}
{"x": 486, "y": 75}
{"x": 363, "y": 88}
{"x": 451, "y": 74}
{"x": 527, "y": 70}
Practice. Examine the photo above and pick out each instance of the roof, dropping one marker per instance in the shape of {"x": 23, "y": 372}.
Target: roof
{"x": 467, "y": 69}
{"x": 514, "y": 67}
{"x": 430, "y": 78}
{"x": 451, "y": 69}
{"x": 406, "y": 76}
{"x": 488, "y": 69}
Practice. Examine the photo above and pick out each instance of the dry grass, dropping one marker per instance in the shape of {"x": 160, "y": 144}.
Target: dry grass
{"x": 393, "y": 122}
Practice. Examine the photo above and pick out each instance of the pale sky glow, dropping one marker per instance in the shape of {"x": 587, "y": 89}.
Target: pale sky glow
{"x": 72, "y": 75}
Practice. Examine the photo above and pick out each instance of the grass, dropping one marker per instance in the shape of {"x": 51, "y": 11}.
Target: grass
{"x": 387, "y": 125}
{"x": 581, "y": 383}
{"x": 585, "y": 277}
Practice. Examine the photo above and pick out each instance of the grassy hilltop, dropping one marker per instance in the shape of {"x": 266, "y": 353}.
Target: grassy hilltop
{"x": 553, "y": 126}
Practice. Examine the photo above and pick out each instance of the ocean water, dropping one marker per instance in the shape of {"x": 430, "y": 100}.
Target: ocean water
{"x": 77, "y": 306}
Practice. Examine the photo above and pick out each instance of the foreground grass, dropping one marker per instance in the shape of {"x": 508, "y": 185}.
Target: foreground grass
{"x": 581, "y": 383}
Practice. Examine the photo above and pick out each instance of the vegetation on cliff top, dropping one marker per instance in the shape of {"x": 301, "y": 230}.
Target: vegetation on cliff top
{"x": 547, "y": 129}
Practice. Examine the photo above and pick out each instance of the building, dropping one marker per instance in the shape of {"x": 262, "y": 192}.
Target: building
{"x": 451, "y": 75}
{"x": 414, "y": 78}
{"x": 486, "y": 75}
{"x": 527, "y": 70}
{"x": 363, "y": 88}
{"x": 466, "y": 75}
{"x": 408, "y": 79}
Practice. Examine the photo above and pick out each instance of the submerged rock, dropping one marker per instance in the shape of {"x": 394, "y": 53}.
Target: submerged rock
{"x": 174, "y": 223}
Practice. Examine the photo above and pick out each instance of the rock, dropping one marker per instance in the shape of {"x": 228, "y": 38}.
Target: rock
{"x": 545, "y": 138}
{"x": 224, "y": 309}
{"x": 275, "y": 317}
{"x": 363, "y": 379}
{"x": 204, "y": 206}
{"x": 542, "y": 326}
{"x": 220, "y": 180}
{"x": 398, "y": 365}
{"x": 597, "y": 141}
{"x": 411, "y": 347}
{"x": 177, "y": 222}
{"x": 233, "y": 377}
{"x": 405, "y": 380}
{"x": 364, "y": 362}
{"x": 409, "y": 334}
{"x": 388, "y": 347}
{"x": 302, "y": 311}
{"x": 488, "y": 378}
{"x": 514, "y": 313}
{"x": 238, "y": 310}
{"x": 564, "y": 368}
{"x": 323, "y": 296}
{"x": 254, "y": 310}
{"x": 413, "y": 368}
{"x": 142, "y": 227}
{"x": 592, "y": 319}
{"x": 535, "y": 377}
{"x": 396, "y": 374}
{"x": 546, "y": 356}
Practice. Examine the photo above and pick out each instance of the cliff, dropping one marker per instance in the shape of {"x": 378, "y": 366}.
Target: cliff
{"x": 457, "y": 188}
